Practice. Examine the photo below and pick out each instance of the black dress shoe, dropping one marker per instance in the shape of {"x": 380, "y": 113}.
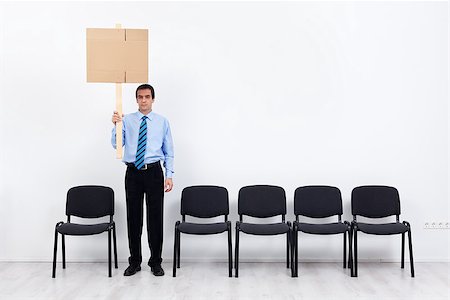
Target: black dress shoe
{"x": 131, "y": 270}
{"x": 157, "y": 270}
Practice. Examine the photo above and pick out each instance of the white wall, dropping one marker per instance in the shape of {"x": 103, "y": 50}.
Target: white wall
{"x": 289, "y": 94}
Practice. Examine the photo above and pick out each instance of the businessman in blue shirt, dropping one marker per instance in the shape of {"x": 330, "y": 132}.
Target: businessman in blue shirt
{"x": 147, "y": 141}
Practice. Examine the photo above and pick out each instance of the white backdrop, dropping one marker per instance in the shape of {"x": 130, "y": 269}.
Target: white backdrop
{"x": 289, "y": 94}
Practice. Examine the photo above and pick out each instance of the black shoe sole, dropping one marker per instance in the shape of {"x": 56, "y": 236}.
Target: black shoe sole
{"x": 158, "y": 273}
{"x": 131, "y": 273}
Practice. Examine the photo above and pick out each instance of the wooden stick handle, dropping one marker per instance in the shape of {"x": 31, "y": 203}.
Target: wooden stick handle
{"x": 119, "y": 125}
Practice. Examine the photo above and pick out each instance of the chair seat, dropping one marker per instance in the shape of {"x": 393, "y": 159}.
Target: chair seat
{"x": 264, "y": 229}
{"x": 328, "y": 228}
{"x": 382, "y": 229}
{"x": 196, "y": 228}
{"x": 83, "y": 229}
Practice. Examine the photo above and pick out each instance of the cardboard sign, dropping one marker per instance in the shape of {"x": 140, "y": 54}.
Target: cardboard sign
{"x": 117, "y": 55}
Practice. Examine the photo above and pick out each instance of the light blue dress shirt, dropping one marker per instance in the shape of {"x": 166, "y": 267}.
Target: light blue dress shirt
{"x": 159, "y": 140}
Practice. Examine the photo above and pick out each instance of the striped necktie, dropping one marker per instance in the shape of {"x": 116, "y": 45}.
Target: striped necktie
{"x": 142, "y": 143}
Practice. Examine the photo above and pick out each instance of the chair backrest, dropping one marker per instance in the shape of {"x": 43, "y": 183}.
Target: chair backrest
{"x": 90, "y": 201}
{"x": 317, "y": 201}
{"x": 262, "y": 201}
{"x": 204, "y": 201}
{"x": 375, "y": 201}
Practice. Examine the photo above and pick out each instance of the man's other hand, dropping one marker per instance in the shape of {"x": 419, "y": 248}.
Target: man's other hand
{"x": 168, "y": 185}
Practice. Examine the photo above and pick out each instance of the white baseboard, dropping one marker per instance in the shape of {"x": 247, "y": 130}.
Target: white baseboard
{"x": 242, "y": 260}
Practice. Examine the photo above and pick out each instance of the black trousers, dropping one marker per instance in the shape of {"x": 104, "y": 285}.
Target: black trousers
{"x": 150, "y": 183}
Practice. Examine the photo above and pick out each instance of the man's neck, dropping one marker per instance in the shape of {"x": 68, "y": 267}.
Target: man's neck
{"x": 145, "y": 112}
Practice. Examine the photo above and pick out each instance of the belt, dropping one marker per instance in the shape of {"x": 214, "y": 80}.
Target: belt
{"x": 144, "y": 167}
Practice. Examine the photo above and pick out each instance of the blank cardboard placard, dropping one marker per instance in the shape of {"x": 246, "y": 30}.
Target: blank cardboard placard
{"x": 117, "y": 55}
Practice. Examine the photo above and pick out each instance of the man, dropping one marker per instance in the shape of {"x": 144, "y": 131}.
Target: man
{"x": 147, "y": 140}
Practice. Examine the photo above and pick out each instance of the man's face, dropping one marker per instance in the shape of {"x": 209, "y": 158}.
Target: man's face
{"x": 144, "y": 100}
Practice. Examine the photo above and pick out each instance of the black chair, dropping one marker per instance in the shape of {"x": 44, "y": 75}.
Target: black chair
{"x": 320, "y": 202}
{"x": 202, "y": 202}
{"x": 87, "y": 202}
{"x": 379, "y": 202}
{"x": 262, "y": 201}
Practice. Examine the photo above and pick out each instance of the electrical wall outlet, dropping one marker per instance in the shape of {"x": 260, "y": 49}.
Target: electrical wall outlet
{"x": 442, "y": 225}
{"x": 436, "y": 225}
{"x": 429, "y": 225}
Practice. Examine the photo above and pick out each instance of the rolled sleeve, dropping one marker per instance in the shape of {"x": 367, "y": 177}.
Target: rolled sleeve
{"x": 113, "y": 136}
{"x": 167, "y": 149}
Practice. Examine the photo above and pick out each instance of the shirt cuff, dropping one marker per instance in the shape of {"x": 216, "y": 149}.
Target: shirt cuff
{"x": 169, "y": 174}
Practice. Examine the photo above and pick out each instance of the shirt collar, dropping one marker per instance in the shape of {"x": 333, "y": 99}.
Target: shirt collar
{"x": 149, "y": 115}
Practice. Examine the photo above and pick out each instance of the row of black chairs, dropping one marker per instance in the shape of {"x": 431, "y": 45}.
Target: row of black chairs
{"x": 264, "y": 201}
{"x": 259, "y": 201}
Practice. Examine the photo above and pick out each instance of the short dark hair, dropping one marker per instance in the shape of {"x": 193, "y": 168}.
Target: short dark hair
{"x": 146, "y": 87}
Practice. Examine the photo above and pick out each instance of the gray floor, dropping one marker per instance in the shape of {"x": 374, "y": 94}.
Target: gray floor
{"x": 209, "y": 281}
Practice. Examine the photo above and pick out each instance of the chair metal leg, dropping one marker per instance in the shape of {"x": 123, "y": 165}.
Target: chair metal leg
{"x": 178, "y": 248}
{"x": 296, "y": 252}
{"x": 355, "y": 239}
{"x": 236, "y": 254}
{"x": 55, "y": 247}
{"x": 345, "y": 250}
{"x": 63, "y": 240}
{"x": 288, "y": 246}
{"x": 115, "y": 247}
{"x": 350, "y": 252}
{"x": 292, "y": 252}
{"x": 175, "y": 253}
{"x": 109, "y": 253}
{"x": 403, "y": 251}
{"x": 411, "y": 260}
{"x": 230, "y": 254}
